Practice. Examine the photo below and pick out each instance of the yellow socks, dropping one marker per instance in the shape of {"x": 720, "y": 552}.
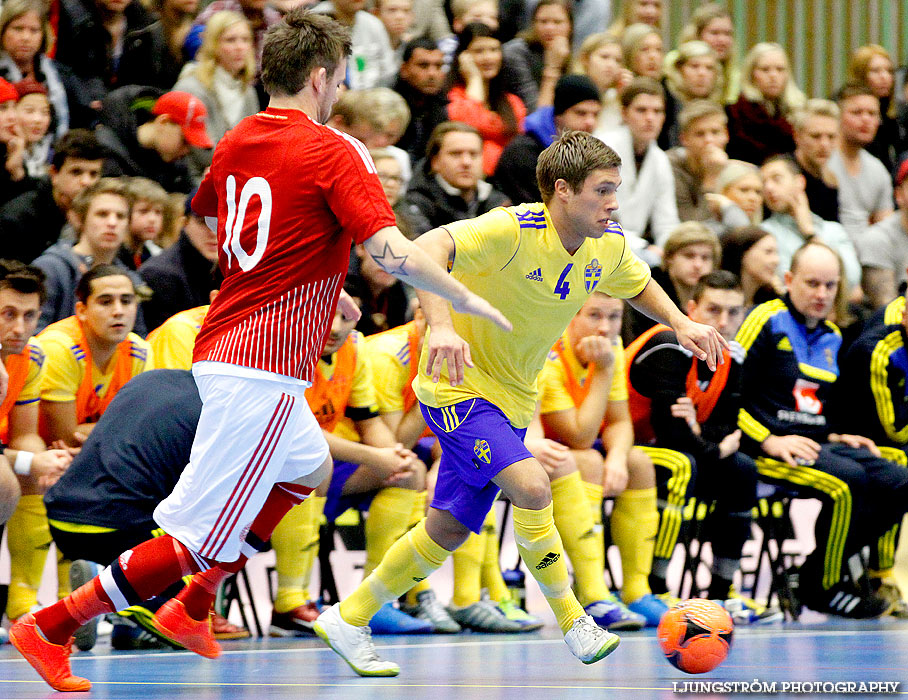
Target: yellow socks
{"x": 28, "y": 539}
{"x": 389, "y": 517}
{"x": 419, "y": 512}
{"x": 409, "y": 560}
{"x": 634, "y": 525}
{"x": 577, "y": 530}
{"x": 540, "y": 546}
{"x": 295, "y": 544}
{"x": 490, "y": 577}
{"x": 467, "y": 560}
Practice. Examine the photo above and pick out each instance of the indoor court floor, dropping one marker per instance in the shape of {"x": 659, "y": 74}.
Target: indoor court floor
{"x": 467, "y": 666}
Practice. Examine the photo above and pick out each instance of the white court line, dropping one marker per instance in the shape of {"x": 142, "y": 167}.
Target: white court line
{"x": 745, "y": 633}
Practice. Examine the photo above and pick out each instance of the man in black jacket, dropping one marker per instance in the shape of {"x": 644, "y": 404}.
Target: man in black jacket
{"x": 448, "y": 186}
{"x": 32, "y": 222}
{"x": 421, "y": 83}
{"x": 180, "y": 277}
{"x": 148, "y": 134}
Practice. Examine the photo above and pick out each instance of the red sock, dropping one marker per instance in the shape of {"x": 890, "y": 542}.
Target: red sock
{"x": 138, "y": 574}
{"x": 199, "y": 595}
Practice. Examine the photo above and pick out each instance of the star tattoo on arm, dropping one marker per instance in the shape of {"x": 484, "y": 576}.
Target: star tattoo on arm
{"x": 391, "y": 263}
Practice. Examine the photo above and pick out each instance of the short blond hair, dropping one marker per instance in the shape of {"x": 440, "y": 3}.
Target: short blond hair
{"x": 699, "y": 109}
{"x": 378, "y": 107}
{"x": 687, "y": 51}
{"x": 815, "y": 107}
{"x": 689, "y": 233}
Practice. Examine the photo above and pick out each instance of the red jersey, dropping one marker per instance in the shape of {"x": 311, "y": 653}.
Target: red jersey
{"x": 290, "y": 196}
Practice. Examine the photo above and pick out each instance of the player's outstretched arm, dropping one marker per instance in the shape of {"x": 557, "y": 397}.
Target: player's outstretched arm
{"x": 703, "y": 341}
{"x": 410, "y": 263}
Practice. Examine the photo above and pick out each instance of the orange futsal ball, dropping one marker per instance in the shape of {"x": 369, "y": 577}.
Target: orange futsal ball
{"x": 695, "y": 635}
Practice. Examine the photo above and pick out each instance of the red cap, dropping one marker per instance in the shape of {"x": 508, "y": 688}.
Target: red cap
{"x": 189, "y": 112}
{"x": 902, "y": 172}
{"x": 30, "y": 86}
{"x": 7, "y": 91}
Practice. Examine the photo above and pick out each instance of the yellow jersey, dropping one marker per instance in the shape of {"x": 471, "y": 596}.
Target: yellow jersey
{"x": 555, "y": 384}
{"x": 67, "y": 366}
{"x": 514, "y": 258}
{"x": 392, "y": 361}
{"x": 173, "y": 340}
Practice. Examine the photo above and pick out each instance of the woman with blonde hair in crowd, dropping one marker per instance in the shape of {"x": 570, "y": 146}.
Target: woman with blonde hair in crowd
{"x": 691, "y": 73}
{"x": 872, "y": 66}
{"x": 752, "y": 254}
{"x": 637, "y": 12}
{"x": 738, "y": 196}
{"x": 221, "y": 77}
{"x": 25, "y": 38}
{"x": 600, "y": 59}
{"x": 759, "y": 123}
{"x": 539, "y": 56}
{"x": 713, "y": 24}
{"x": 641, "y": 45}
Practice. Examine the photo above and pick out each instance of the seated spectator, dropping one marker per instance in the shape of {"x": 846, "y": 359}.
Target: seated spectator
{"x": 421, "y": 83}
{"x": 14, "y": 179}
{"x": 641, "y": 45}
{"x": 466, "y": 12}
{"x": 35, "y": 118}
{"x": 90, "y": 41}
{"x": 872, "y": 67}
{"x": 689, "y": 252}
{"x": 637, "y": 12}
{"x": 100, "y": 217}
{"x": 221, "y": 77}
{"x": 576, "y": 107}
{"x": 180, "y": 277}
{"x": 712, "y": 23}
{"x": 738, "y": 199}
{"x": 752, "y": 254}
{"x": 36, "y": 467}
{"x": 700, "y": 158}
{"x": 131, "y": 461}
{"x": 477, "y": 94}
{"x": 148, "y": 134}
{"x": 816, "y": 136}
{"x": 25, "y": 38}
{"x": 151, "y": 216}
{"x": 387, "y": 167}
{"x": 759, "y": 123}
{"x": 884, "y": 249}
{"x": 703, "y": 460}
{"x": 448, "y": 186}
{"x": 33, "y": 221}
{"x": 793, "y": 224}
{"x": 536, "y": 59}
{"x": 97, "y": 342}
{"x": 372, "y": 63}
{"x": 865, "y": 186}
{"x": 397, "y": 18}
{"x": 377, "y": 117}
{"x": 691, "y": 73}
{"x": 156, "y": 54}
{"x": 583, "y": 407}
{"x": 789, "y": 377}
{"x": 600, "y": 58}
{"x": 258, "y": 12}
{"x": 647, "y": 210}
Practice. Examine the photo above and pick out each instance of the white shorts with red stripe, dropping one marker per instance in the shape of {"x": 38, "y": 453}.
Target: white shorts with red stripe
{"x": 252, "y": 434}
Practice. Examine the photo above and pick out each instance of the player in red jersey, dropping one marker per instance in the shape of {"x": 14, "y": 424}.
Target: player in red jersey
{"x": 291, "y": 196}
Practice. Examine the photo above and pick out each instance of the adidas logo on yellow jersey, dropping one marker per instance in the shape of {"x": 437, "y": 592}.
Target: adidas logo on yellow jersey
{"x": 535, "y": 275}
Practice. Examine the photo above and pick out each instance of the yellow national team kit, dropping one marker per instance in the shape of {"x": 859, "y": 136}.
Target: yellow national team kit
{"x": 514, "y": 258}
{"x": 172, "y": 342}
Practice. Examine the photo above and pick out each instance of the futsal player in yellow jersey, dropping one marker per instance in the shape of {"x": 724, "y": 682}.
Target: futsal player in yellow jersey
{"x": 582, "y": 395}
{"x": 539, "y": 262}
{"x": 172, "y": 341}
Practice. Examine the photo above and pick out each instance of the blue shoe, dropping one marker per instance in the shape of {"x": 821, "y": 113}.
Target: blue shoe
{"x": 612, "y": 614}
{"x": 390, "y": 620}
{"x": 651, "y": 607}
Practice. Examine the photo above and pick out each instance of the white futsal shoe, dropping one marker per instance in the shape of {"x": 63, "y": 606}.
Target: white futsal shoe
{"x": 353, "y": 644}
{"x": 589, "y": 642}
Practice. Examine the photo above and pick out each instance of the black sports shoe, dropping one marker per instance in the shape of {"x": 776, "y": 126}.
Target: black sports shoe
{"x": 846, "y": 600}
